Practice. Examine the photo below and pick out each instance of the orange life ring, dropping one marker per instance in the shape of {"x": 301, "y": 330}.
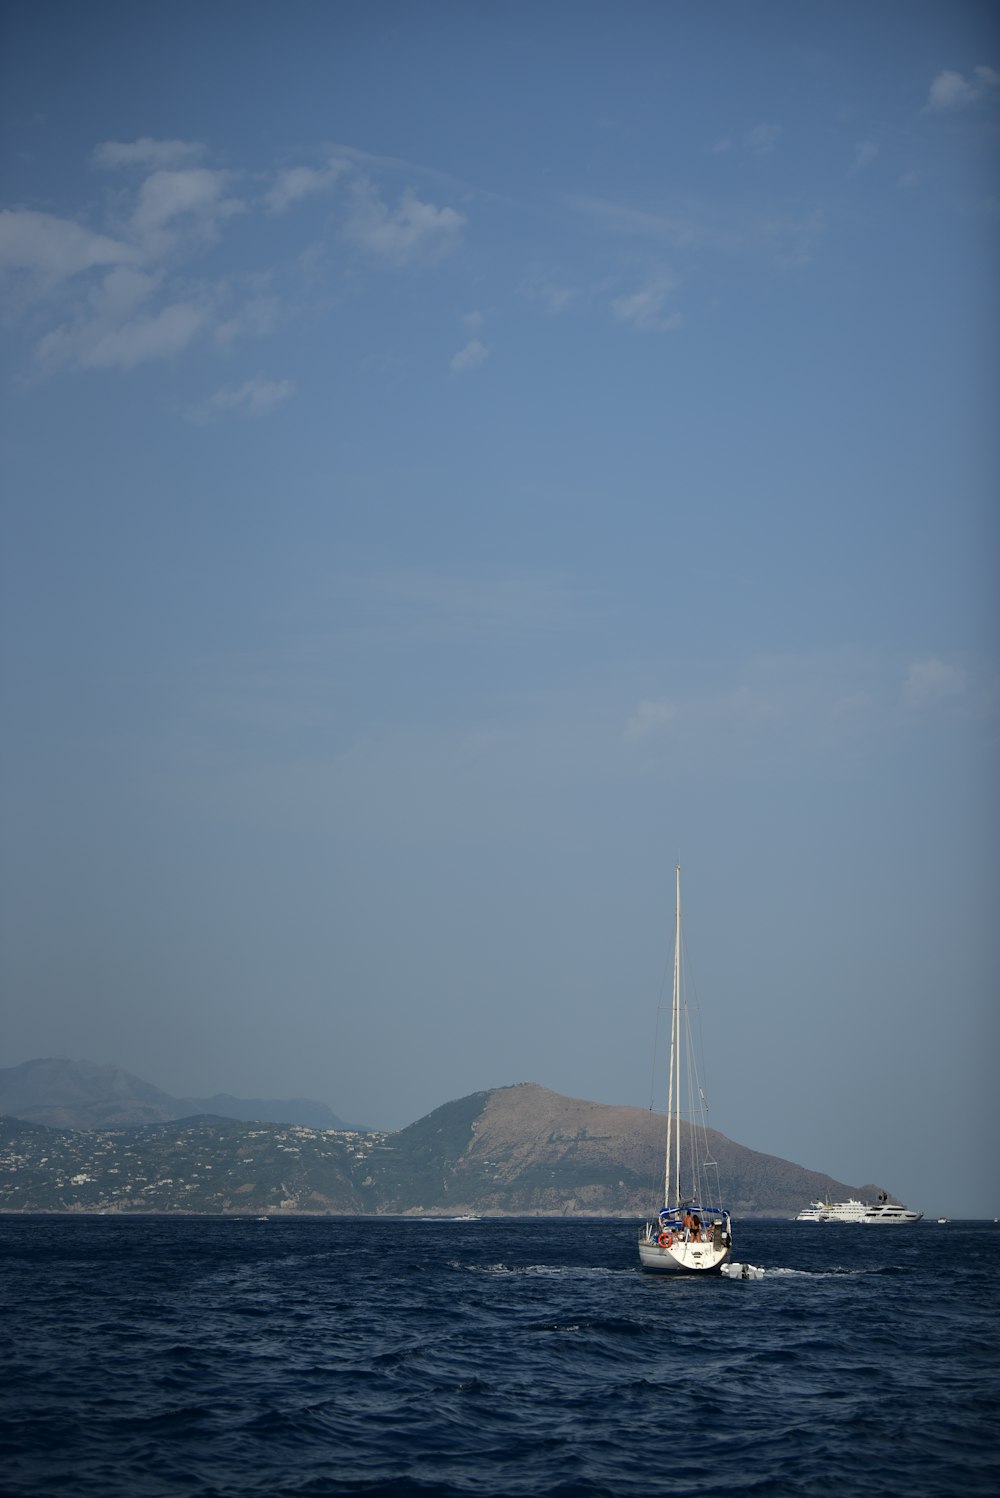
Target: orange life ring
{"x": 665, "y": 1240}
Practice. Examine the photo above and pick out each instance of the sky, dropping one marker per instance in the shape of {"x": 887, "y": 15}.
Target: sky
{"x": 459, "y": 460}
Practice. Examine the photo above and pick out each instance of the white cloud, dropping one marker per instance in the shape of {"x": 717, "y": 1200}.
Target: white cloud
{"x": 123, "y": 290}
{"x": 470, "y": 357}
{"x": 120, "y": 300}
{"x": 300, "y": 182}
{"x": 951, "y": 90}
{"x": 645, "y": 309}
{"x": 95, "y": 343}
{"x": 413, "y": 233}
{"x": 55, "y": 248}
{"x": 147, "y": 152}
{"x": 197, "y": 196}
{"x": 252, "y": 399}
{"x": 931, "y": 681}
{"x": 113, "y": 320}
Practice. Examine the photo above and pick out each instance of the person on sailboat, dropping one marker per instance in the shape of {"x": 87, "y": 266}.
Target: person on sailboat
{"x": 687, "y": 1222}
{"x": 696, "y": 1227}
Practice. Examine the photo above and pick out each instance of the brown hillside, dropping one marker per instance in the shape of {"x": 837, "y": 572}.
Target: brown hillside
{"x": 524, "y": 1149}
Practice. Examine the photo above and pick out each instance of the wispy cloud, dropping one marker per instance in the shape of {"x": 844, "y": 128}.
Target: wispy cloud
{"x": 680, "y": 230}
{"x": 112, "y": 154}
{"x": 931, "y": 681}
{"x": 470, "y": 357}
{"x": 744, "y": 708}
{"x": 645, "y": 309}
{"x": 652, "y": 717}
{"x": 411, "y": 603}
{"x": 55, "y": 249}
{"x": 474, "y": 352}
{"x": 192, "y": 202}
{"x": 412, "y": 233}
{"x": 557, "y": 298}
{"x": 298, "y": 182}
{"x": 865, "y": 153}
{"x": 786, "y": 706}
{"x": 552, "y": 294}
{"x": 762, "y": 139}
{"x": 108, "y": 340}
{"x": 257, "y": 316}
{"x": 121, "y": 295}
{"x": 254, "y": 398}
{"x": 951, "y": 90}
{"x": 373, "y": 163}
{"x": 789, "y": 239}
{"x": 793, "y": 242}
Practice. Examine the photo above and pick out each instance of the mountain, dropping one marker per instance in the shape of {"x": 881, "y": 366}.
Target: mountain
{"x": 518, "y": 1150}
{"x": 296, "y": 1110}
{"x": 80, "y": 1095}
{"x": 524, "y": 1149}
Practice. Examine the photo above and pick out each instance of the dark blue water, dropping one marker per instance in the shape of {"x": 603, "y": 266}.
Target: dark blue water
{"x": 219, "y": 1358}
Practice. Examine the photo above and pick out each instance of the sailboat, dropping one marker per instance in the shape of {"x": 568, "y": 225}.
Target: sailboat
{"x": 689, "y": 1235}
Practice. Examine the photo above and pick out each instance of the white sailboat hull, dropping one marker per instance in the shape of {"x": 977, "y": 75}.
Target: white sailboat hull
{"x": 680, "y": 1257}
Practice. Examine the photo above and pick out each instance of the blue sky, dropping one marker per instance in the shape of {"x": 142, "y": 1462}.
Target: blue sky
{"x": 460, "y": 458}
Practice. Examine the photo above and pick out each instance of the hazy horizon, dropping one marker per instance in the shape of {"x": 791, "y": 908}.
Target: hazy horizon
{"x": 459, "y": 460}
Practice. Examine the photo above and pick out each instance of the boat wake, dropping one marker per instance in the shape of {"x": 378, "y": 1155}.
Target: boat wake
{"x": 552, "y": 1271}
{"x": 817, "y": 1274}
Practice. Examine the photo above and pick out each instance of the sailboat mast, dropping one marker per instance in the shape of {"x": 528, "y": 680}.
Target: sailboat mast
{"x": 673, "y": 1154}
{"x": 676, "y": 1049}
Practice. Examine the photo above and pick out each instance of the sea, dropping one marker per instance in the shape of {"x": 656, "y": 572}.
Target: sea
{"x": 495, "y": 1358}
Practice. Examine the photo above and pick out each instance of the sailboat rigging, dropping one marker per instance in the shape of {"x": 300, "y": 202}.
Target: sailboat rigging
{"x": 690, "y": 1235}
